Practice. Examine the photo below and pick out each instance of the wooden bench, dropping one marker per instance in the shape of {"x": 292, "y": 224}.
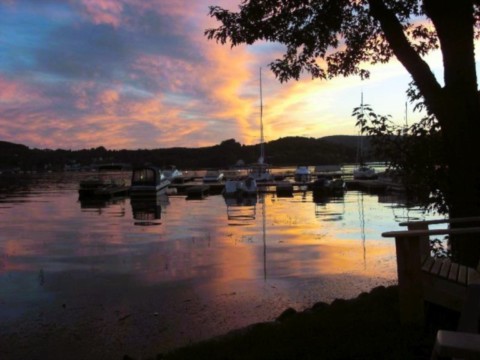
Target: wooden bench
{"x": 422, "y": 277}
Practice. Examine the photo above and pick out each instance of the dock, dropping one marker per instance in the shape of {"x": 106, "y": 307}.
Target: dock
{"x": 280, "y": 187}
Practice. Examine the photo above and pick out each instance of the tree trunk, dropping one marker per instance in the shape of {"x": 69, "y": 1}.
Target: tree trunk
{"x": 456, "y": 106}
{"x": 458, "y": 111}
{"x": 461, "y": 139}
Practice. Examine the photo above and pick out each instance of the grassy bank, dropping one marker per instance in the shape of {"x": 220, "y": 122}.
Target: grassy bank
{"x": 367, "y": 327}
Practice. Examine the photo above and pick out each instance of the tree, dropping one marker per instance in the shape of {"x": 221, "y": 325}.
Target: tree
{"x": 329, "y": 38}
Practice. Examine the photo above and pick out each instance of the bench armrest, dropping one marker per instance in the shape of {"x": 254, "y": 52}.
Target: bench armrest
{"x": 419, "y": 233}
{"x": 442, "y": 221}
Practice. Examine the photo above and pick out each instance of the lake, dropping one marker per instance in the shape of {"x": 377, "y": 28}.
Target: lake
{"x": 100, "y": 279}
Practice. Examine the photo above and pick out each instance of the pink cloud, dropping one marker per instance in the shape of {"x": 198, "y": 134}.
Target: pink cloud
{"x": 103, "y": 11}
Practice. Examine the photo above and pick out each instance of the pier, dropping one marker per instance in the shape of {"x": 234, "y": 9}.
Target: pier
{"x": 275, "y": 186}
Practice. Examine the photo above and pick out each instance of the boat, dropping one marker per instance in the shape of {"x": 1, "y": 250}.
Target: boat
{"x": 260, "y": 171}
{"x": 148, "y": 181}
{"x": 338, "y": 185}
{"x": 213, "y": 176}
{"x": 172, "y": 173}
{"x": 364, "y": 172}
{"x": 97, "y": 186}
{"x": 240, "y": 187}
{"x": 302, "y": 174}
{"x": 329, "y": 185}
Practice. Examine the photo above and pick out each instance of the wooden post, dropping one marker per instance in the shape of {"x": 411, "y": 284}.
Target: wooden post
{"x": 409, "y": 279}
{"x": 424, "y": 241}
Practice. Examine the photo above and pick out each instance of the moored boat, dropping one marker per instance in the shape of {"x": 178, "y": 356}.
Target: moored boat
{"x": 240, "y": 187}
{"x": 101, "y": 187}
{"x": 148, "y": 181}
{"x": 213, "y": 176}
{"x": 364, "y": 172}
{"x": 329, "y": 185}
{"x": 302, "y": 174}
{"x": 172, "y": 173}
{"x": 260, "y": 172}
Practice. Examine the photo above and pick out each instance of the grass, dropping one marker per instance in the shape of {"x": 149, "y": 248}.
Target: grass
{"x": 367, "y": 327}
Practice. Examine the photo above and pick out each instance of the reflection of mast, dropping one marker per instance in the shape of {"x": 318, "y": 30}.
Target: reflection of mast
{"x": 262, "y": 146}
{"x": 361, "y": 215}
{"x": 264, "y": 236}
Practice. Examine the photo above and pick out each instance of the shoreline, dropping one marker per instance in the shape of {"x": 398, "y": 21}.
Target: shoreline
{"x": 365, "y": 327}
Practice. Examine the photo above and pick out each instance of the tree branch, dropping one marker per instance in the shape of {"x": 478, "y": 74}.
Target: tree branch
{"x": 410, "y": 59}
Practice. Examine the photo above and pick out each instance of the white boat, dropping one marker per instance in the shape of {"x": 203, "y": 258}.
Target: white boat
{"x": 364, "y": 172}
{"x": 302, "y": 174}
{"x": 240, "y": 187}
{"x": 172, "y": 173}
{"x": 213, "y": 176}
{"x": 260, "y": 172}
{"x": 148, "y": 181}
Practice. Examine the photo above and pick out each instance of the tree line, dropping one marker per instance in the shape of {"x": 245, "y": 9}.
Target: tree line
{"x": 288, "y": 151}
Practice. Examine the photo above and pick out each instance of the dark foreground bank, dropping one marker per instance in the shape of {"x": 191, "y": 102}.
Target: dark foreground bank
{"x": 367, "y": 327}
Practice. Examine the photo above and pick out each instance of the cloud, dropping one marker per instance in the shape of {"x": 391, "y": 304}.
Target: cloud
{"x": 130, "y": 74}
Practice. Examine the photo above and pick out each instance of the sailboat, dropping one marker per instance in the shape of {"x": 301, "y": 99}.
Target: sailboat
{"x": 362, "y": 171}
{"x": 260, "y": 171}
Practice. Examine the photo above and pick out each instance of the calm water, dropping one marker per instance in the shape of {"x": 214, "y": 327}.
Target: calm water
{"x": 104, "y": 279}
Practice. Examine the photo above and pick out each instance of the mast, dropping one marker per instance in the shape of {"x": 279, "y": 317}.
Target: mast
{"x": 262, "y": 148}
{"x": 360, "y": 140}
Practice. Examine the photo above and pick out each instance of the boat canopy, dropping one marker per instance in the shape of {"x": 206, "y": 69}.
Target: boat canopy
{"x": 145, "y": 175}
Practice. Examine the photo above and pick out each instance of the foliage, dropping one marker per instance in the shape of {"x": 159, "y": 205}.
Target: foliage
{"x": 438, "y": 248}
{"x": 342, "y": 33}
{"x": 414, "y": 152}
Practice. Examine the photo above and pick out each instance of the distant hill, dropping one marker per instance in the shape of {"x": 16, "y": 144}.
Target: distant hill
{"x": 287, "y": 151}
{"x": 6, "y": 147}
{"x": 351, "y": 141}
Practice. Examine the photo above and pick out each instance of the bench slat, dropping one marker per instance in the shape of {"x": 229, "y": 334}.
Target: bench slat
{"x": 473, "y": 277}
{"x": 453, "y": 273}
{"x": 427, "y": 264}
{"x": 462, "y": 274}
{"x": 435, "y": 270}
{"x": 445, "y": 268}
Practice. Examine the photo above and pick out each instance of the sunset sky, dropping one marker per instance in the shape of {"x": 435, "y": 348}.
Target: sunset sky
{"x": 129, "y": 74}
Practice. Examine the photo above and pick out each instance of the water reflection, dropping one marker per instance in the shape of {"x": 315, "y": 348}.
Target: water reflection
{"x": 200, "y": 272}
{"x": 241, "y": 210}
{"x": 98, "y": 205}
{"x": 147, "y": 210}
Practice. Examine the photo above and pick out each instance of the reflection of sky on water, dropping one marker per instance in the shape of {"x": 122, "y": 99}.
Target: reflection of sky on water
{"x": 199, "y": 270}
